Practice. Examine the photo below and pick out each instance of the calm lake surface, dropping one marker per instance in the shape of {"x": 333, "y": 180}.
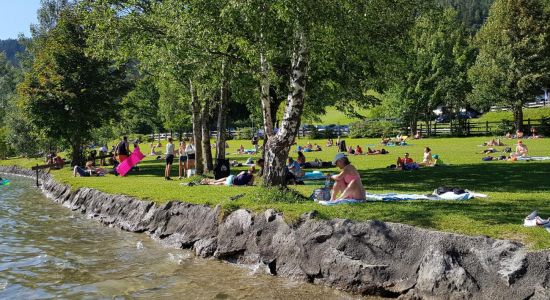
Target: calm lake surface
{"x": 48, "y": 251}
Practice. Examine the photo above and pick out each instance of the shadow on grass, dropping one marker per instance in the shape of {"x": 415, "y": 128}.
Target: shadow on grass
{"x": 488, "y": 177}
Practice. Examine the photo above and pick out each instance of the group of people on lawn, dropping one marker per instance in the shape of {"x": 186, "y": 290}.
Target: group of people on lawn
{"x": 347, "y": 183}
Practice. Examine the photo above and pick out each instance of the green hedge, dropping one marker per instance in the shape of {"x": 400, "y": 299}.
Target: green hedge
{"x": 372, "y": 129}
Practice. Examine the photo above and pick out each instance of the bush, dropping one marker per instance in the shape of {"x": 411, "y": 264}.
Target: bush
{"x": 245, "y": 133}
{"x": 544, "y": 127}
{"x": 371, "y": 129}
{"x": 503, "y": 127}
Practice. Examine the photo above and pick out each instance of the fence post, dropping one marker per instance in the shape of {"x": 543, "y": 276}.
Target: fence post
{"x": 37, "y": 184}
{"x": 435, "y": 128}
{"x": 486, "y": 127}
{"x": 420, "y": 128}
{"x": 451, "y": 127}
{"x": 468, "y": 127}
{"x": 529, "y": 123}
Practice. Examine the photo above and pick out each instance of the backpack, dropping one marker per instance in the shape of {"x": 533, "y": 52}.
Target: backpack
{"x": 507, "y": 150}
{"x": 320, "y": 194}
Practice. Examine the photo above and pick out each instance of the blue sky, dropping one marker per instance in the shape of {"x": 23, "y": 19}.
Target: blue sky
{"x": 16, "y": 16}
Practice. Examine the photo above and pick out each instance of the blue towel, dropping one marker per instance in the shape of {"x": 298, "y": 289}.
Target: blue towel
{"x": 340, "y": 201}
{"x": 4, "y": 182}
{"x": 315, "y": 175}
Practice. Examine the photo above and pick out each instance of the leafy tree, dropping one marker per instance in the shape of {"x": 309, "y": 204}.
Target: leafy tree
{"x": 68, "y": 92}
{"x": 436, "y": 71}
{"x": 514, "y": 56}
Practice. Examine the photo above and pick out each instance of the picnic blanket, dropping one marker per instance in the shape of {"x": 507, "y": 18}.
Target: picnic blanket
{"x": 534, "y": 158}
{"x": 403, "y": 197}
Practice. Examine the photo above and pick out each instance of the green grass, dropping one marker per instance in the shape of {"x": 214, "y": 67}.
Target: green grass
{"x": 514, "y": 189}
{"x": 528, "y": 113}
{"x": 334, "y": 116}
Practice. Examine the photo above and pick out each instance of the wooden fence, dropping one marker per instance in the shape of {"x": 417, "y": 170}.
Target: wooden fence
{"x": 469, "y": 127}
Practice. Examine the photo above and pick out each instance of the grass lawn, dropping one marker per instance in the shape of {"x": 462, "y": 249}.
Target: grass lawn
{"x": 514, "y": 189}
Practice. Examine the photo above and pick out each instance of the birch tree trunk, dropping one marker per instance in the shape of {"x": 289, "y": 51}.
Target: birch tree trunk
{"x": 206, "y": 148}
{"x": 197, "y": 129}
{"x": 222, "y": 114}
{"x": 278, "y": 145}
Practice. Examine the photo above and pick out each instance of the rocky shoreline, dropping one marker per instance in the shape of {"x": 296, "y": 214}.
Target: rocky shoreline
{"x": 368, "y": 258}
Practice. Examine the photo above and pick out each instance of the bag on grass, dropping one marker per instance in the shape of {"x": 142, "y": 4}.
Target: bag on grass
{"x": 320, "y": 194}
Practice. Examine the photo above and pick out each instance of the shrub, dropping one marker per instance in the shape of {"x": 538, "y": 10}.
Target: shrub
{"x": 503, "y": 127}
{"x": 245, "y": 133}
{"x": 371, "y": 129}
{"x": 544, "y": 127}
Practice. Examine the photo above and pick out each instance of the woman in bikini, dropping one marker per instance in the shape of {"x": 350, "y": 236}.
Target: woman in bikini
{"x": 348, "y": 183}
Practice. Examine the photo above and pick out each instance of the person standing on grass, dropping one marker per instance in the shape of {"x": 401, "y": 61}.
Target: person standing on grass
{"x": 169, "y": 159}
{"x": 190, "y": 152}
{"x": 123, "y": 149}
{"x": 182, "y": 160}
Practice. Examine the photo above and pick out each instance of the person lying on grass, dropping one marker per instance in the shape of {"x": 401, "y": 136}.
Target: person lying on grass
{"x": 241, "y": 179}
{"x": 89, "y": 170}
{"x": 348, "y": 183}
{"x": 375, "y": 152}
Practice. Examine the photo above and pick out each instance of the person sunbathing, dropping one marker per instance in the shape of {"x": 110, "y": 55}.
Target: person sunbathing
{"x": 348, "y": 183}
{"x": 295, "y": 168}
{"x": 521, "y": 150}
{"x": 404, "y": 163}
{"x": 330, "y": 143}
{"x": 375, "y": 152}
{"x": 358, "y": 150}
{"x": 350, "y": 150}
{"x": 89, "y": 170}
{"x": 241, "y": 179}
{"x": 427, "y": 160}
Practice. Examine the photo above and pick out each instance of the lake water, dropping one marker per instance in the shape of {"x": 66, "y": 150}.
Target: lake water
{"x": 48, "y": 251}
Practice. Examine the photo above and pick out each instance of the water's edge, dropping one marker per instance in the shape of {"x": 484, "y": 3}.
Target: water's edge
{"x": 369, "y": 258}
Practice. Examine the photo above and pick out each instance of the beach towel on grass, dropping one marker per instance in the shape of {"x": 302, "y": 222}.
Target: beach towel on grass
{"x": 403, "y": 197}
{"x": 315, "y": 175}
{"x": 534, "y": 158}
{"x": 340, "y": 201}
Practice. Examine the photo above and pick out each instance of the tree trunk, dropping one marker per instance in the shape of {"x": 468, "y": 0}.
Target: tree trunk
{"x": 264, "y": 96}
{"x": 77, "y": 158}
{"x": 518, "y": 117}
{"x": 206, "y": 148}
{"x": 197, "y": 129}
{"x": 222, "y": 115}
{"x": 414, "y": 126}
{"x": 279, "y": 145}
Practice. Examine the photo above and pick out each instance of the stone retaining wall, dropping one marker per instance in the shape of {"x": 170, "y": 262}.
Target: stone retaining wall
{"x": 369, "y": 258}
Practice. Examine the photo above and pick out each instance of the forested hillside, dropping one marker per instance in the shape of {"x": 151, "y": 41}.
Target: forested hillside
{"x": 472, "y": 12}
{"x": 10, "y": 48}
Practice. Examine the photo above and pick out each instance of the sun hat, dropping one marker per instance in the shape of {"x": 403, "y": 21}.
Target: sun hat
{"x": 520, "y": 142}
{"x": 338, "y": 157}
